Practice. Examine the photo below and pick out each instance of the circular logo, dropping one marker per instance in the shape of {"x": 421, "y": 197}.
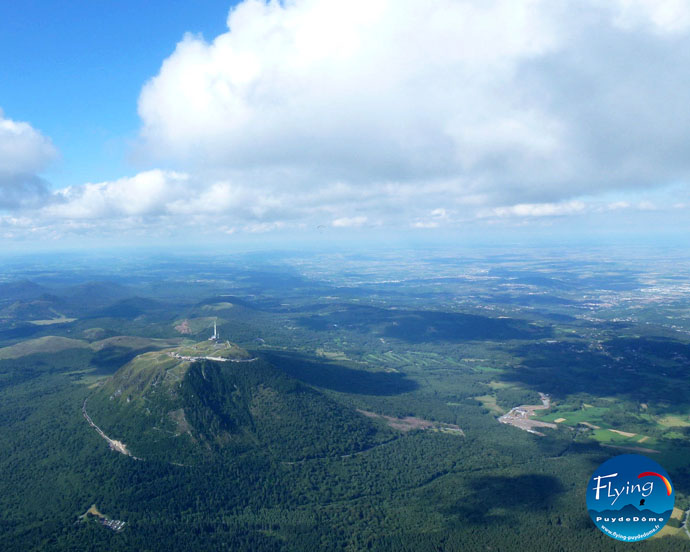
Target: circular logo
{"x": 630, "y": 497}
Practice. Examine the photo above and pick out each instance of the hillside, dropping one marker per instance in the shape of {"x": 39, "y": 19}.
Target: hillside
{"x": 47, "y": 344}
{"x": 197, "y": 401}
{"x": 114, "y": 346}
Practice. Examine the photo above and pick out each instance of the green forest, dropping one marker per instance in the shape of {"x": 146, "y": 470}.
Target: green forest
{"x": 330, "y": 425}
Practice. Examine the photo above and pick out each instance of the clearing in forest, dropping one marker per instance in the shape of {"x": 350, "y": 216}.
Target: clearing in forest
{"x": 489, "y": 402}
{"x": 520, "y": 416}
{"x": 409, "y": 423}
{"x": 623, "y": 433}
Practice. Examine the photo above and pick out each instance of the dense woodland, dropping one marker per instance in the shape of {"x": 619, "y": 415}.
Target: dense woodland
{"x": 288, "y": 462}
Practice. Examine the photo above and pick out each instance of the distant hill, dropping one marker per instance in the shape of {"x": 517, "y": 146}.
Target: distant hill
{"x": 132, "y": 342}
{"x": 25, "y": 300}
{"x": 38, "y": 309}
{"x": 111, "y": 346}
{"x": 22, "y": 290}
{"x": 128, "y": 308}
{"x": 48, "y": 344}
{"x": 176, "y": 406}
{"x": 226, "y": 301}
{"x": 94, "y": 295}
{"x": 417, "y": 326}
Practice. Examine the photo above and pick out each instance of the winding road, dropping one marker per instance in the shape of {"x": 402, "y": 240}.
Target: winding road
{"x": 215, "y": 359}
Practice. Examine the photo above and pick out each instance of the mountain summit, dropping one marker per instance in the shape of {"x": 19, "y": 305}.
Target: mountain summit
{"x": 191, "y": 403}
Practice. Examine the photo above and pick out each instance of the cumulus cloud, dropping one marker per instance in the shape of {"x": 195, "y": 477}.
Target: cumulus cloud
{"x": 148, "y": 193}
{"x": 365, "y": 90}
{"x": 516, "y": 101}
{"x": 24, "y": 152}
{"x": 170, "y": 201}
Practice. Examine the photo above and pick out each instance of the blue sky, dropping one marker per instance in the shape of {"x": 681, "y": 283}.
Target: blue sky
{"x": 473, "y": 120}
{"x": 74, "y": 70}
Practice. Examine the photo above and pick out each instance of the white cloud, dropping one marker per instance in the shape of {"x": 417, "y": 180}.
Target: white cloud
{"x": 406, "y": 113}
{"x": 366, "y": 89}
{"x": 349, "y": 222}
{"x": 147, "y": 193}
{"x": 538, "y": 209}
{"x": 217, "y": 198}
{"x": 263, "y": 227}
{"x": 171, "y": 204}
{"x": 425, "y": 224}
{"x": 663, "y": 16}
{"x": 524, "y": 101}
{"x": 159, "y": 197}
{"x": 24, "y": 152}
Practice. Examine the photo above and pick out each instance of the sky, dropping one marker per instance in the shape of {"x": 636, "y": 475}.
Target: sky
{"x": 453, "y": 120}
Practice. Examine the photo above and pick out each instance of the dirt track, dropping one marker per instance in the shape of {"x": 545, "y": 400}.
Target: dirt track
{"x": 118, "y": 446}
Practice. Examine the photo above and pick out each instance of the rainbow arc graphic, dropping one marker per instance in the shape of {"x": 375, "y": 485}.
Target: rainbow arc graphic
{"x": 669, "y": 490}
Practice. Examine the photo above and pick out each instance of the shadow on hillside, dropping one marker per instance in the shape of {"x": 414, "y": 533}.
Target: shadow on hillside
{"x": 335, "y": 377}
{"x": 640, "y": 369}
{"x": 421, "y": 326}
{"x": 424, "y": 326}
{"x": 111, "y": 359}
{"x": 130, "y": 309}
{"x": 21, "y": 332}
{"x": 491, "y": 496}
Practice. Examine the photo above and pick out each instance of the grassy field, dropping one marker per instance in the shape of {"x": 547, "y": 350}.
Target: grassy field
{"x": 218, "y": 306}
{"x": 489, "y": 401}
{"x": 332, "y": 355}
{"x": 55, "y": 344}
{"x": 47, "y": 344}
{"x": 51, "y": 321}
{"x": 499, "y": 385}
{"x": 674, "y": 421}
{"x": 591, "y": 415}
{"x": 134, "y": 342}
